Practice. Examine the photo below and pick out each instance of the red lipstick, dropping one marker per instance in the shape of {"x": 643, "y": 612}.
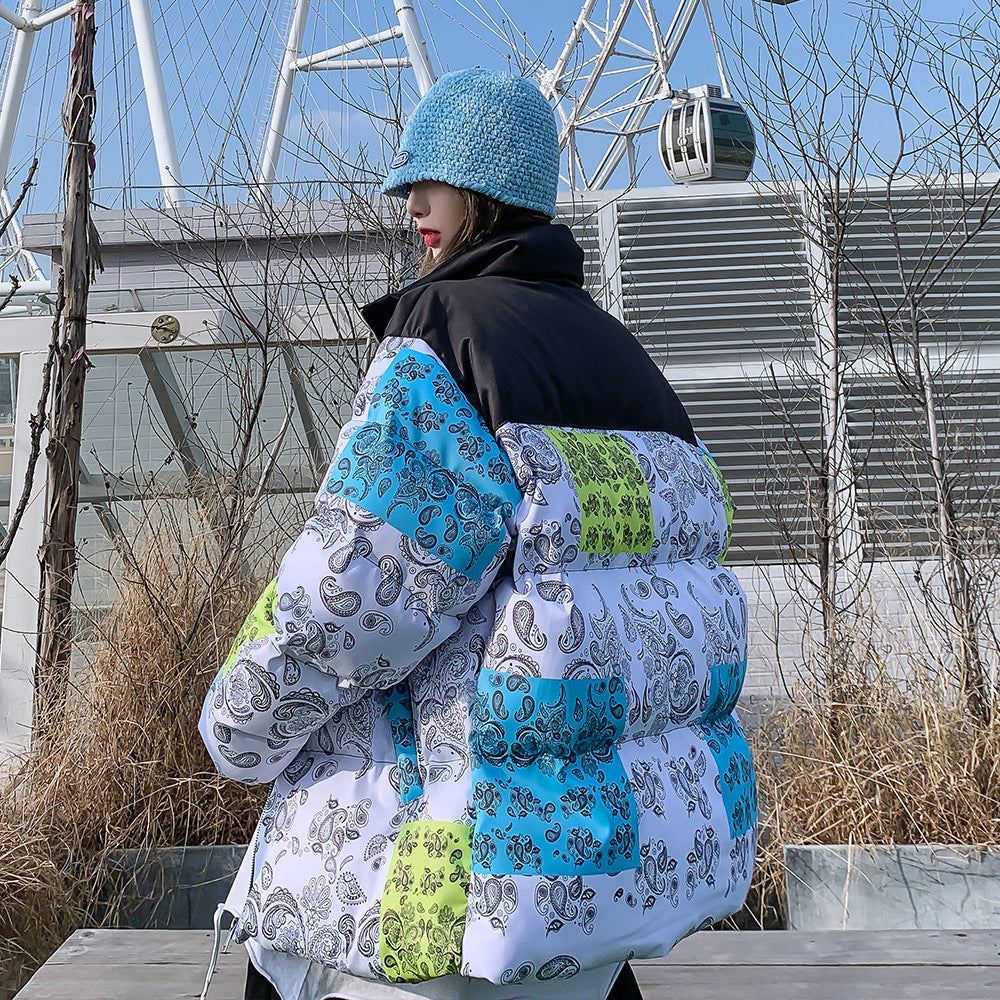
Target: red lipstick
{"x": 431, "y": 237}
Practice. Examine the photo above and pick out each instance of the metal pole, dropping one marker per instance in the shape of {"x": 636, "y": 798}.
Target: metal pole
{"x": 686, "y": 17}
{"x": 368, "y": 42}
{"x": 346, "y": 64}
{"x": 416, "y": 46}
{"x": 156, "y": 102}
{"x": 29, "y": 259}
{"x": 13, "y": 94}
{"x": 39, "y": 287}
{"x": 170, "y": 398}
{"x": 623, "y": 143}
{"x": 726, "y": 92}
{"x": 51, "y": 16}
{"x": 610, "y": 41}
{"x": 319, "y": 453}
{"x": 552, "y": 79}
{"x": 11, "y": 18}
{"x": 282, "y": 99}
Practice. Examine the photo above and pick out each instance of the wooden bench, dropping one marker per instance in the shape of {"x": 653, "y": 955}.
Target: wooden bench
{"x": 771, "y": 965}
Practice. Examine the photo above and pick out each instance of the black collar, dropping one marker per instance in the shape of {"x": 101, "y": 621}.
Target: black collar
{"x": 535, "y": 252}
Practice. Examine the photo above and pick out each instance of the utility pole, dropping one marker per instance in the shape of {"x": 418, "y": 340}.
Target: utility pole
{"x": 80, "y": 256}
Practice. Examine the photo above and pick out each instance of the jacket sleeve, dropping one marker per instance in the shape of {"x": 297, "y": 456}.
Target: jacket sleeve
{"x": 409, "y": 530}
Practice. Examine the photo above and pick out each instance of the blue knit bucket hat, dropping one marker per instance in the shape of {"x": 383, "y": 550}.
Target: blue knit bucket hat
{"x": 486, "y": 131}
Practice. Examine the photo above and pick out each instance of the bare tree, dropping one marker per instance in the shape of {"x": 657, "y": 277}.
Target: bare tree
{"x": 234, "y": 489}
{"x": 5, "y": 223}
{"x": 910, "y": 102}
{"x": 80, "y": 258}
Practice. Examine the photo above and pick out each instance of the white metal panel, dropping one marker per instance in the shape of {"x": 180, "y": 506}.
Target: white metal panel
{"x": 762, "y": 440}
{"x": 713, "y": 277}
{"x": 891, "y": 451}
{"x": 22, "y": 575}
{"x": 934, "y": 247}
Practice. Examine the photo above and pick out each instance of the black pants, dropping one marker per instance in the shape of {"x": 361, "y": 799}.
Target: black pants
{"x": 259, "y": 987}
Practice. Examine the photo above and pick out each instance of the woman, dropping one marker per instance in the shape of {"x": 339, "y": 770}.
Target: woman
{"x": 494, "y": 678}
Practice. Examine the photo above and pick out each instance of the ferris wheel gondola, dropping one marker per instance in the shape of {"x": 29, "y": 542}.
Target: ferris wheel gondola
{"x": 706, "y": 137}
{"x": 620, "y": 45}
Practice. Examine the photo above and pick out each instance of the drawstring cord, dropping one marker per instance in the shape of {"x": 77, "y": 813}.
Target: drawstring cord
{"x": 216, "y": 946}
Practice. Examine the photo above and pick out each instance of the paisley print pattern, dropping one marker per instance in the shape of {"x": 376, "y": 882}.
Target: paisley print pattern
{"x": 724, "y": 690}
{"x": 560, "y": 900}
{"x": 358, "y": 599}
{"x": 727, "y": 497}
{"x": 400, "y": 714}
{"x": 494, "y": 898}
{"x": 738, "y": 783}
{"x": 656, "y": 877}
{"x": 689, "y": 514}
{"x": 687, "y": 778}
{"x": 549, "y": 789}
{"x": 423, "y": 460}
{"x": 500, "y": 724}
{"x": 424, "y": 904}
{"x": 259, "y": 624}
{"x": 615, "y": 512}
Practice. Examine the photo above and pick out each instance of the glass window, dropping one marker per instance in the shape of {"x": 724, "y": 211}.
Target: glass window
{"x": 8, "y": 390}
{"x": 732, "y": 136}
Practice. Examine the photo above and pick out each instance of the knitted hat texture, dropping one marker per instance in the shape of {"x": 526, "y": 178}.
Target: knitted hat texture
{"x": 486, "y": 131}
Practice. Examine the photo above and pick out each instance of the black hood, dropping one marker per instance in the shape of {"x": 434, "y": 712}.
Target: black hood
{"x": 536, "y": 252}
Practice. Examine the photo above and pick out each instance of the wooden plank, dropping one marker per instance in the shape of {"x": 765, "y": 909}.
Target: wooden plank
{"x": 848, "y": 982}
{"x": 679, "y": 982}
{"x": 771, "y": 948}
{"x": 830, "y": 965}
{"x": 130, "y": 977}
{"x": 103, "y": 947}
{"x": 775, "y": 948}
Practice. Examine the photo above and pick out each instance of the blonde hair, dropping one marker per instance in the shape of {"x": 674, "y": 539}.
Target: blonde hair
{"x": 484, "y": 216}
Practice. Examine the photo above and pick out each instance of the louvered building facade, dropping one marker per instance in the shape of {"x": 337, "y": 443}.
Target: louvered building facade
{"x": 730, "y": 289}
{"x": 749, "y": 297}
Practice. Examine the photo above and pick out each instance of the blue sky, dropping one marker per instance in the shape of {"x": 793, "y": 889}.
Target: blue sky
{"x": 220, "y": 59}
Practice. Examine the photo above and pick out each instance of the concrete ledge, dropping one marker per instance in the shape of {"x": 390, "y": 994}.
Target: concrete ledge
{"x": 175, "y": 888}
{"x": 910, "y": 887}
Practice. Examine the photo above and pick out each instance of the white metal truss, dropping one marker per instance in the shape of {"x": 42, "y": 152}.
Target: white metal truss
{"x": 25, "y": 24}
{"x": 611, "y": 71}
{"x": 417, "y": 58}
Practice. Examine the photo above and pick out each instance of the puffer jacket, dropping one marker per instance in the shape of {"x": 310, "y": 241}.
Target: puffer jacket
{"x": 494, "y": 680}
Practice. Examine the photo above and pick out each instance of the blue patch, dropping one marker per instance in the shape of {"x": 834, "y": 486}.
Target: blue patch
{"x": 427, "y": 464}
{"x": 549, "y": 789}
{"x": 397, "y": 700}
{"x": 738, "y": 782}
{"x": 724, "y": 690}
{"x": 400, "y": 160}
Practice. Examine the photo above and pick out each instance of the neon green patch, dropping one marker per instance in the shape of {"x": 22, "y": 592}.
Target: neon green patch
{"x": 260, "y": 622}
{"x": 422, "y": 917}
{"x": 728, "y": 498}
{"x": 616, "y": 512}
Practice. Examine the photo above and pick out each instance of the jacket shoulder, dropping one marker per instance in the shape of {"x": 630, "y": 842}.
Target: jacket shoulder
{"x": 416, "y": 453}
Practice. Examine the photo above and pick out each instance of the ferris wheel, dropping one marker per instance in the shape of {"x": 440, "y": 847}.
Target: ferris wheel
{"x": 609, "y": 84}
{"x": 612, "y": 71}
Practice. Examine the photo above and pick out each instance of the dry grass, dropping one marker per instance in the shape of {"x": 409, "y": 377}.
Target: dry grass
{"x": 890, "y": 761}
{"x": 887, "y": 761}
{"x": 127, "y": 769}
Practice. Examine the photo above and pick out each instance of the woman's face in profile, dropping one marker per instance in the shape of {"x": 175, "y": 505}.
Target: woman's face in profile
{"x": 438, "y": 210}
